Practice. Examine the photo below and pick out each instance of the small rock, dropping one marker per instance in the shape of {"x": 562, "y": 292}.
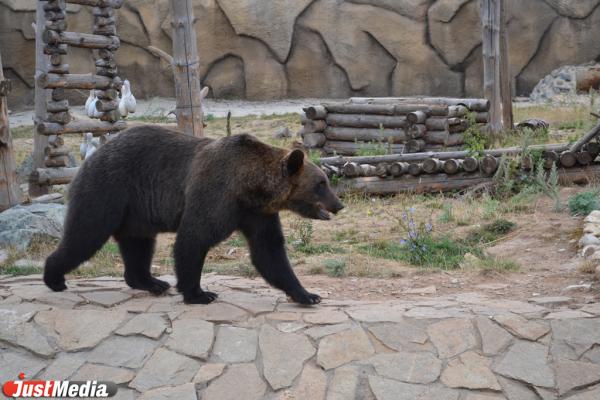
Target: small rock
{"x": 584, "y": 287}
{"x": 106, "y": 298}
{"x": 420, "y": 367}
{"x": 470, "y": 371}
{"x": 566, "y": 314}
{"x": 165, "y": 367}
{"x": 239, "y": 379}
{"x": 150, "y": 325}
{"x": 522, "y": 327}
{"x": 425, "y": 290}
{"x": 401, "y": 336}
{"x": 343, "y": 347}
{"x": 235, "y": 345}
{"x": 191, "y": 337}
{"x": 593, "y": 217}
{"x": 452, "y": 336}
{"x": 21, "y": 225}
{"x": 321, "y": 331}
{"x": 589, "y": 240}
{"x": 208, "y": 372}
{"x": 283, "y": 355}
{"x": 312, "y": 384}
{"x": 283, "y": 132}
{"x": 128, "y": 352}
{"x": 527, "y": 362}
{"x": 588, "y": 250}
{"x": 494, "y": 339}
{"x": 551, "y": 301}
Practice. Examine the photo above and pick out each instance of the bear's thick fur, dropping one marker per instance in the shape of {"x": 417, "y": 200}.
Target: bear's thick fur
{"x": 151, "y": 180}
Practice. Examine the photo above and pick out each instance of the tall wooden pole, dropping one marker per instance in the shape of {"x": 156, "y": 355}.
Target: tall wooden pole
{"x": 496, "y": 72}
{"x": 186, "y": 69}
{"x": 40, "y": 142}
{"x": 10, "y": 193}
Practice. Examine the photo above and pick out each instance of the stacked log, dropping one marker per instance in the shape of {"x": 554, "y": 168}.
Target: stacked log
{"x": 449, "y": 170}
{"x": 392, "y": 125}
{"x": 104, "y": 82}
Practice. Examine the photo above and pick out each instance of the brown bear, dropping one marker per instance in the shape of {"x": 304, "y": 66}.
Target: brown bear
{"x": 151, "y": 179}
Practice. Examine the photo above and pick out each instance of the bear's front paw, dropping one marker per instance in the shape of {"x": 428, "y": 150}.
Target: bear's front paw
{"x": 306, "y": 298}
{"x": 56, "y": 284}
{"x": 199, "y": 296}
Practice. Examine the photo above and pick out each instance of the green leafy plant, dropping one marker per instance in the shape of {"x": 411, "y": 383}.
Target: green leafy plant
{"x": 584, "y": 203}
{"x": 490, "y": 232}
{"x": 549, "y": 184}
{"x": 475, "y": 139}
{"x": 335, "y": 268}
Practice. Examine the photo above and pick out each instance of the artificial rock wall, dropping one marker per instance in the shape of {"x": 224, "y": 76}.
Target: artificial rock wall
{"x": 267, "y": 49}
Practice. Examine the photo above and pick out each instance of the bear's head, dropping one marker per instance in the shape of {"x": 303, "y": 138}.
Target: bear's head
{"x": 310, "y": 195}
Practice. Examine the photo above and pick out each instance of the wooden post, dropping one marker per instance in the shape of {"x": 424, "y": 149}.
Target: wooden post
{"x": 186, "y": 69}
{"x": 10, "y": 194}
{"x": 41, "y": 95}
{"x": 496, "y": 72}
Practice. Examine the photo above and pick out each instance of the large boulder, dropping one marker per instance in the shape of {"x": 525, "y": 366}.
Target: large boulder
{"x": 574, "y": 8}
{"x": 22, "y": 225}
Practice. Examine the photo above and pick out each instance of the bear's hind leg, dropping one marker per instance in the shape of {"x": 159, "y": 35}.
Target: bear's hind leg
{"x": 137, "y": 256}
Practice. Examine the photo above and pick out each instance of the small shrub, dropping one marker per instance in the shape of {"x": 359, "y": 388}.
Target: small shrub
{"x": 302, "y": 232}
{"x": 237, "y": 241}
{"x": 316, "y": 270}
{"x": 335, "y": 268}
{"x": 475, "y": 139}
{"x": 549, "y": 185}
{"x": 584, "y": 203}
{"x": 446, "y": 216}
{"x": 490, "y": 232}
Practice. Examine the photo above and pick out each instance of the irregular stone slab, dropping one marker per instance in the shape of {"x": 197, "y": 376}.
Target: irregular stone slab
{"x": 484, "y": 396}
{"x": 216, "y": 312}
{"x": 326, "y": 317}
{"x": 191, "y": 337}
{"x": 283, "y": 355}
{"x": 13, "y": 363}
{"x": 577, "y": 332}
{"x": 208, "y": 372}
{"x": 470, "y": 371}
{"x": 128, "y": 352}
{"x": 255, "y": 304}
{"x": 522, "y": 327}
{"x": 575, "y": 374}
{"x": 436, "y": 313}
{"x": 401, "y": 336}
{"x": 164, "y": 368}
{"x": 422, "y": 290}
{"x": 514, "y": 390}
{"x": 240, "y": 378}
{"x": 321, "y": 331}
{"x": 150, "y": 325}
{"x": 235, "y": 345}
{"x": 16, "y": 330}
{"x": 407, "y": 367}
{"x": 106, "y": 298}
{"x": 102, "y": 372}
{"x": 125, "y": 394}
{"x": 593, "y": 355}
{"x": 137, "y": 306}
{"x": 377, "y": 313}
{"x": 494, "y": 339}
{"x": 527, "y": 362}
{"x": 312, "y": 384}
{"x": 575, "y": 9}
{"x": 551, "y": 301}
{"x": 591, "y": 394}
{"x": 568, "y": 314}
{"x": 284, "y": 316}
{"x": 592, "y": 308}
{"x": 63, "y": 367}
{"x": 344, "y": 384}
{"x": 182, "y": 392}
{"x": 387, "y": 389}
{"x": 343, "y": 347}
{"x": 289, "y": 327}
{"x": 452, "y": 337}
{"x": 79, "y": 329}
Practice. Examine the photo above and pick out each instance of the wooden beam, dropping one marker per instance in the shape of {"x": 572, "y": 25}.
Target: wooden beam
{"x": 78, "y": 81}
{"x": 41, "y": 97}
{"x": 10, "y": 192}
{"x": 496, "y": 71}
{"x": 98, "y": 3}
{"x": 53, "y": 176}
{"x": 84, "y": 40}
{"x": 98, "y": 128}
{"x": 188, "y": 92}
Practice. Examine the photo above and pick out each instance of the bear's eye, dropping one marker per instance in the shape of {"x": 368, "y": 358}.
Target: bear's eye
{"x": 321, "y": 186}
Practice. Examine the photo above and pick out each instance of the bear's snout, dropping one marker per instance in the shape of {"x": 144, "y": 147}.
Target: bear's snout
{"x": 337, "y": 207}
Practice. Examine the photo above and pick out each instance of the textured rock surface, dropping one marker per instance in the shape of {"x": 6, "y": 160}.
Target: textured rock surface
{"x": 21, "y": 225}
{"x": 461, "y": 353}
{"x": 331, "y": 48}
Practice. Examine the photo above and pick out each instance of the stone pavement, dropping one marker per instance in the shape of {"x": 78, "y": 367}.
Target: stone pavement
{"x": 253, "y": 344}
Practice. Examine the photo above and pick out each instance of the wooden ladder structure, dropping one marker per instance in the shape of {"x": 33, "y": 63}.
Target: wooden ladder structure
{"x": 56, "y": 77}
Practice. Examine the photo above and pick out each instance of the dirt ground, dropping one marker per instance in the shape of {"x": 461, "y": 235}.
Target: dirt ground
{"x": 542, "y": 247}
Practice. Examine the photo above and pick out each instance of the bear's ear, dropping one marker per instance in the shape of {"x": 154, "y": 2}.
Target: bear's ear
{"x": 293, "y": 162}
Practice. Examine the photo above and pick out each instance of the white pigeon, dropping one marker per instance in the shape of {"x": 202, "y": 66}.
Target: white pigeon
{"x": 127, "y": 102}
{"x": 89, "y": 100}
{"x": 89, "y": 146}
{"x": 91, "y": 110}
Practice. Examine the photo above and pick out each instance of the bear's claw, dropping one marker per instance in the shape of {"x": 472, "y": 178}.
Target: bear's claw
{"x": 152, "y": 285}
{"x": 306, "y": 298}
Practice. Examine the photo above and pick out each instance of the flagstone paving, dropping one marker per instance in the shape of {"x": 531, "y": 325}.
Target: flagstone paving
{"x": 253, "y": 344}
